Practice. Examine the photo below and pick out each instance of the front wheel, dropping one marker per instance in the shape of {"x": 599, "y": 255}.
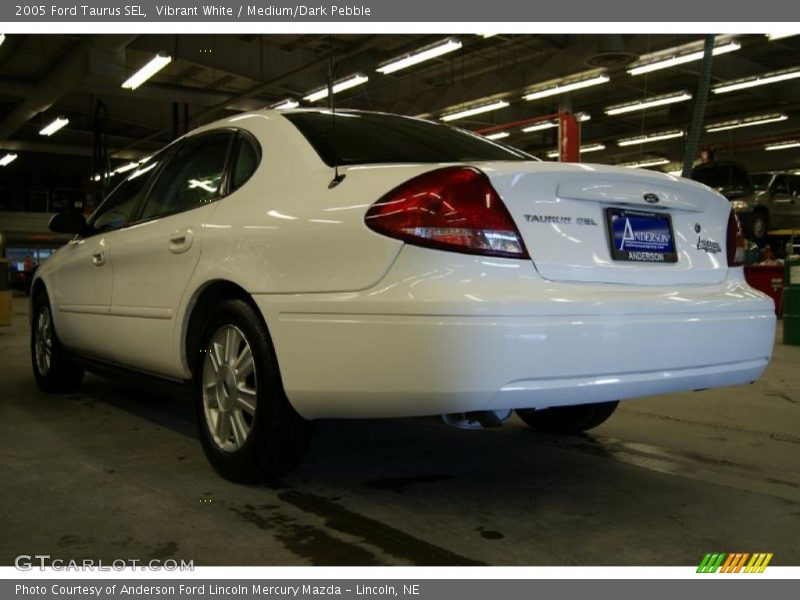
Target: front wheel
{"x": 53, "y": 368}
{"x": 247, "y": 427}
{"x": 567, "y": 419}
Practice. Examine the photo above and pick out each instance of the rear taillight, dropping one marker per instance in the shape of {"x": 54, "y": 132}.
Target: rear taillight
{"x": 735, "y": 241}
{"x": 454, "y": 208}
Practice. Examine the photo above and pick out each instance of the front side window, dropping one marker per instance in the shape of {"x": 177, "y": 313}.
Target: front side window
{"x": 794, "y": 184}
{"x": 192, "y": 177}
{"x": 116, "y": 210}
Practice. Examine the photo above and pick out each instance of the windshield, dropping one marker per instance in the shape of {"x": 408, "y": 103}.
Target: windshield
{"x": 761, "y": 181}
{"x": 364, "y": 138}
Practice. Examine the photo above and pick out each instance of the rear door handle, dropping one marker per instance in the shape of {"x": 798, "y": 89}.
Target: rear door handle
{"x": 98, "y": 258}
{"x": 181, "y": 240}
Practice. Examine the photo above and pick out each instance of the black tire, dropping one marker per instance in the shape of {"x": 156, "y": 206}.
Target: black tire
{"x": 759, "y": 225}
{"x": 567, "y": 419}
{"x": 275, "y": 438}
{"x": 53, "y": 368}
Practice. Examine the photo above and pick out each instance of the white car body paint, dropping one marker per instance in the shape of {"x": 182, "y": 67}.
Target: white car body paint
{"x": 365, "y": 325}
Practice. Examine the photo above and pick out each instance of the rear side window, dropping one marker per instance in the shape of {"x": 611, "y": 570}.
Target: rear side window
{"x": 364, "y": 138}
{"x": 192, "y": 177}
{"x": 246, "y": 158}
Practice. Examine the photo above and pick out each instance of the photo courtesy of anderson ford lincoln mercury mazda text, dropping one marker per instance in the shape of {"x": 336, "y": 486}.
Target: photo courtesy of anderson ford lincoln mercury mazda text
{"x": 301, "y": 265}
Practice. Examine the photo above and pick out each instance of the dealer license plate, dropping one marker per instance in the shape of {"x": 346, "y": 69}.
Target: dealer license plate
{"x": 638, "y": 236}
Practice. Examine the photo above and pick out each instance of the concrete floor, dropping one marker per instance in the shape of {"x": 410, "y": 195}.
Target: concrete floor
{"x": 115, "y": 473}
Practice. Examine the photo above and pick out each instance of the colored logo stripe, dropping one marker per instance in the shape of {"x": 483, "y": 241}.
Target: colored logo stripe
{"x": 758, "y": 563}
{"x": 734, "y": 562}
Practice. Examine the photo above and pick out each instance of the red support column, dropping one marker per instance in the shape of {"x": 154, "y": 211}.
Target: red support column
{"x": 569, "y": 138}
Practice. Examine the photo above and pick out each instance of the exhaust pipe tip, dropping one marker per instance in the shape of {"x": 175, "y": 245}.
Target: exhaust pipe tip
{"x": 478, "y": 419}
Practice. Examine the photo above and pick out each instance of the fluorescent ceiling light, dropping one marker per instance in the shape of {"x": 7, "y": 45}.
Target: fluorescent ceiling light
{"x": 783, "y": 145}
{"x": 746, "y": 122}
{"x": 654, "y": 162}
{"x": 487, "y": 35}
{"x": 592, "y": 148}
{"x": 652, "y": 137}
{"x": 779, "y": 36}
{"x": 143, "y": 170}
{"x": 619, "y": 109}
{"x": 204, "y": 184}
{"x": 655, "y": 64}
{"x": 54, "y": 126}
{"x": 540, "y": 126}
{"x": 285, "y": 104}
{"x": 766, "y": 78}
{"x": 584, "y": 150}
{"x": 125, "y": 168}
{"x": 582, "y": 118}
{"x": 566, "y": 87}
{"x": 158, "y": 62}
{"x": 497, "y": 136}
{"x": 468, "y": 112}
{"x": 421, "y": 55}
{"x": 2, "y": 39}
{"x": 339, "y": 86}
{"x": 7, "y": 159}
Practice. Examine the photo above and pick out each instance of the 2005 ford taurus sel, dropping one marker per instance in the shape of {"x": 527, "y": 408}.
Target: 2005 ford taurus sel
{"x": 291, "y": 270}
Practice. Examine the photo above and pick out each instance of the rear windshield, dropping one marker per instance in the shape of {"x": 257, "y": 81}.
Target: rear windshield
{"x": 364, "y": 138}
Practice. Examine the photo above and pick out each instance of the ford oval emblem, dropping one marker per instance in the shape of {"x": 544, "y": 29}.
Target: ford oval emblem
{"x": 651, "y": 198}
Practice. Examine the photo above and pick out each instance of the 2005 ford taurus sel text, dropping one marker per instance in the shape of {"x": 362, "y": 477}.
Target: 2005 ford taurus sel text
{"x": 300, "y": 265}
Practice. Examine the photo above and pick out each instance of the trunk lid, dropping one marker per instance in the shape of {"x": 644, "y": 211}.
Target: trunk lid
{"x": 562, "y": 212}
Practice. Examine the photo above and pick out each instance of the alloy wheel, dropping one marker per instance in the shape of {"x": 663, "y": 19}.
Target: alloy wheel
{"x": 759, "y": 227}
{"x": 229, "y": 388}
{"x": 43, "y": 341}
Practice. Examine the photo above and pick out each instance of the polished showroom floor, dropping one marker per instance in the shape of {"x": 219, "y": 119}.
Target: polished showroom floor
{"x": 113, "y": 472}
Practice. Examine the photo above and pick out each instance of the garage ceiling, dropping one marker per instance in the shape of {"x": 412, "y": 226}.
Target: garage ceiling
{"x": 45, "y": 76}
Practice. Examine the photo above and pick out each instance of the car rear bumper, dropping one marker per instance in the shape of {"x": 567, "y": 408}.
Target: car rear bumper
{"x": 427, "y": 345}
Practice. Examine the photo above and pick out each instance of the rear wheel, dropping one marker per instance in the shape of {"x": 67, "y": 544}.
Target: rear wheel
{"x": 247, "y": 427}
{"x": 567, "y": 419}
{"x": 53, "y": 368}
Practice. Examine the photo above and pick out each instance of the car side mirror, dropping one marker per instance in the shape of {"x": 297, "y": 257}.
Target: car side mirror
{"x": 68, "y": 222}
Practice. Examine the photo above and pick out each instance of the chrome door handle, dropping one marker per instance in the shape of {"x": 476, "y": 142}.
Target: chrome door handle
{"x": 181, "y": 240}
{"x": 98, "y": 258}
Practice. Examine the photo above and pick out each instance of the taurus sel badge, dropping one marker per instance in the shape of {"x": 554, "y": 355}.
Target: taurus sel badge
{"x": 651, "y": 198}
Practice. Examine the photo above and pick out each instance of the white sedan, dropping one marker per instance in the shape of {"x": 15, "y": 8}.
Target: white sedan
{"x": 292, "y": 270}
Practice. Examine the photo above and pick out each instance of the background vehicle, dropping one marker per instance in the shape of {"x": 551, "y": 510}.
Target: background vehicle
{"x": 778, "y": 197}
{"x": 733, "y": 181}
{"x": 763, "y": 202}
{"x": 289, "y": 270}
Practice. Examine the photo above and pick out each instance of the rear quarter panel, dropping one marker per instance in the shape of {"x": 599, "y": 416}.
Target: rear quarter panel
{"x": 286, "y": 232}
